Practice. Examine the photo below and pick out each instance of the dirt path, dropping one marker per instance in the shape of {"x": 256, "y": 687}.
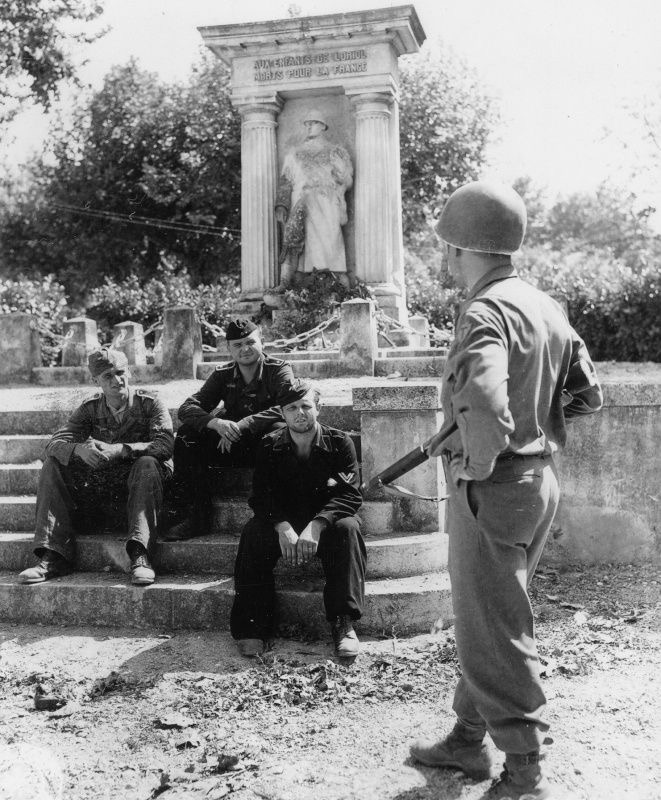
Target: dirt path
{"x": 150, "y": 715}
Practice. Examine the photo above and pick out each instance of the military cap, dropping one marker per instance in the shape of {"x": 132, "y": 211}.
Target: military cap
{"x": 239, "y": 329}
{"x": 296, "y": 391}
{"x": 484, "y": 217}
{"x": 101, "y": 360}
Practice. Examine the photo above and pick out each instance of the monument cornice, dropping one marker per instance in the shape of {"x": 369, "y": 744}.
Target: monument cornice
{"x": 398, "y": 26}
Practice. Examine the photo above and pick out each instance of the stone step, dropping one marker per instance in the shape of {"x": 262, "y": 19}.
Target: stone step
{"x": 412, "y": 352}
{"x": 388, "y": 555}
{"x": 427, "y": 367}
{"x": 17, "y": 512}
{"x": 414, "y": 367}
{"x": 67, "y": 376}
{"x": 37, "y": 423}
{"x": 22, "y": 449}
{"x": 392, "y": 607}
{"x": 17, "y": 479}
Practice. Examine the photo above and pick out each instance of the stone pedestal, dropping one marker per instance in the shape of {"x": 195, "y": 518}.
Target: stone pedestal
{"x": 358, "y": 337}
{"x": 20, "y": 348}
{"x": 80, "y": 339}
{"x": 181, "y": 343}
{"x": 344, "y": 66}
{"x": 129, "y": 337}
{"x": 394, "y": 420}
{"x": 420, "y": 325}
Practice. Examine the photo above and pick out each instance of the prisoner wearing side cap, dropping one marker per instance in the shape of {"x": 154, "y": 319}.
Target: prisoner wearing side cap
{"x": 514, "y": 358}
{"x": 305, "y": 499}
{"x": 222, "y": 423}
{"x": 106, "y": 466}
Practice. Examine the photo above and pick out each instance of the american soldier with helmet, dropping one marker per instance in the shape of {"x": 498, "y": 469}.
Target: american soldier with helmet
{"x": 516, "y": 375}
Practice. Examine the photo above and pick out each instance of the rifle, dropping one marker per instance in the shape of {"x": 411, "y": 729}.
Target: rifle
{"x": 405, "y": 464}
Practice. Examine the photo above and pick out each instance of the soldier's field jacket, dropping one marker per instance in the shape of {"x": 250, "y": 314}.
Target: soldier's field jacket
{"x": 326, "y": 486}
{"x": 251, "y": 405}
{"x": 145, "y": 428}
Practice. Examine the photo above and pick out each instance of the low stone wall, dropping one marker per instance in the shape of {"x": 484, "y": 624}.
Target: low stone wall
{"x": 610, "y": 476}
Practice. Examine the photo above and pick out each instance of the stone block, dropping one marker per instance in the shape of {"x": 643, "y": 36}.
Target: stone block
{"x": 394, "y": 420}
{"x": 20, "y": 348}
{"x": 80, "y": 339}
{"x": 420, "y": 325}
{"x": 182, "y": 343}
{"x": 129, "y": 337}
{"x": 358, "y": 337}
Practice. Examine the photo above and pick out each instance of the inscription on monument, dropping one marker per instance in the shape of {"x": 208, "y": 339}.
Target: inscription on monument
{"x": 316, "y": 65}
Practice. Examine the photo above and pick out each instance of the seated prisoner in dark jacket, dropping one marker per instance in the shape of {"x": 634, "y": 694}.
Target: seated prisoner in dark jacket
{"x": 305, "y": 498}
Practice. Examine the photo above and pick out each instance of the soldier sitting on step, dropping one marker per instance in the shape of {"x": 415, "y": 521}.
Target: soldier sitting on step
{"x": 247, "y": 387}
{"x": 305, "y": 499}
{"x": 112, "y": 458}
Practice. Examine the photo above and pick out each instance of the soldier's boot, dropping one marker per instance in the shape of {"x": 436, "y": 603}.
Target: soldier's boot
{"x": 522, "y": 779}
{"x": 463, "y": 748}
{"x": 50, "y": 565}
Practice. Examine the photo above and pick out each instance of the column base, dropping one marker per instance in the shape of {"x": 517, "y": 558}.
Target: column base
{"x": 389, "y": 300}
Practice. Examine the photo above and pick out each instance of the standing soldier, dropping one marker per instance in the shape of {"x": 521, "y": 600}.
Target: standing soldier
{"x": 516, "y": 374}
{"x": 247, "y": 388}
{"x": 115, "y": 449}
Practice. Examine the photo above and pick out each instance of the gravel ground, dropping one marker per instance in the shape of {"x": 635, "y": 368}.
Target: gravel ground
{"x": 150, "y": 715}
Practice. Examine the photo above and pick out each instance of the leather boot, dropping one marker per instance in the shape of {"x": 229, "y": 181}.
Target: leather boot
{"x": 463, "y": 748}
{"x": 522, "y": 779}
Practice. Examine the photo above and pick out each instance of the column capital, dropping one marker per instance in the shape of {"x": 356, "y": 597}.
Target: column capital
{"x": 370, "y": 104}
{"x": 266, "y": 110}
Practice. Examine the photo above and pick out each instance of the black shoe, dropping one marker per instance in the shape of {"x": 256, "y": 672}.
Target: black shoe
{"x": 344, "y": 637}
{"x": 142, "y": 573}
{"x": 51, "y": 565}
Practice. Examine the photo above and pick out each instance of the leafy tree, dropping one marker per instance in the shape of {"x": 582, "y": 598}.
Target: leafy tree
{"x": 34, "y": 55}
{"x": 145, "y": 168}
{"x": 446, "y": 120}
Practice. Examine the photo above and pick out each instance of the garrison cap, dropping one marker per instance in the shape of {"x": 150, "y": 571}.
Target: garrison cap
{"x": 295, "y": 391}
{"x": 239, "y": 329}
{"x": 101, "y": 360}
{"x": 484, "y": 217}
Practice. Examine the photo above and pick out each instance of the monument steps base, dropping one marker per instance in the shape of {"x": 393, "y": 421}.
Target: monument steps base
{"x": 388, "y": 555}
{"x": 392, "y": 607}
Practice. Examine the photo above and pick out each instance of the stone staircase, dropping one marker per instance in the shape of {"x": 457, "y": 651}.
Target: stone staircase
{"x": 407, "y": 588}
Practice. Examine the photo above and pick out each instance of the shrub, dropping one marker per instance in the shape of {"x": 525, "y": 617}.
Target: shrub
{"x": 312, "y": 303}
{"x": 46, "y": 300}
{"x": 121, "y": 301}
{"x": 426, "y": 294}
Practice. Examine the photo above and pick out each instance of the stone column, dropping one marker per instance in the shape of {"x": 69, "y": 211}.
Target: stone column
{"x": 80, "y": 339}
{"x": 182, "y": 343}
{"x": 372, "y": 188}
{"x": 420, "y": 325}
{"x": 358, "y": 337}
{"x": 259, "y": 176}
{"x": 376, "y": 222}
{"x": 394, "y": 420}
{"x": 20, "y": 348}
{"x": 129, "y": 337}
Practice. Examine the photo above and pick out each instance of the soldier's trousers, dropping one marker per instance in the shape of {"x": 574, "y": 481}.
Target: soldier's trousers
{"x": 498, "y": 528}
{"x": 75, "y": 498}
{"x": 342, "y": 554}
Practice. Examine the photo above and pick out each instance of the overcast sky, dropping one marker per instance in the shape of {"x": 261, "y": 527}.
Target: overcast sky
{"x": 562, "y": 70}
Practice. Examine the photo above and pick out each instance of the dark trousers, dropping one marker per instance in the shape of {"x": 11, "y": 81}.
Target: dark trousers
{"x": 342, "y": 554}
{"x": 75, "y": 498}
{"x": 498, "y": 528}
{"x": 197, "y": 461}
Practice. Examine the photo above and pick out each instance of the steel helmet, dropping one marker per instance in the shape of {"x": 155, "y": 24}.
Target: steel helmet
{"x": 484, "y": 217}
{"x": 315, "y": 116}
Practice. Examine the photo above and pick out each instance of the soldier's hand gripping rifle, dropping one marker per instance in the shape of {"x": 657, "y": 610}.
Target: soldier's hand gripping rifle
{"x": 412, "y": 459}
